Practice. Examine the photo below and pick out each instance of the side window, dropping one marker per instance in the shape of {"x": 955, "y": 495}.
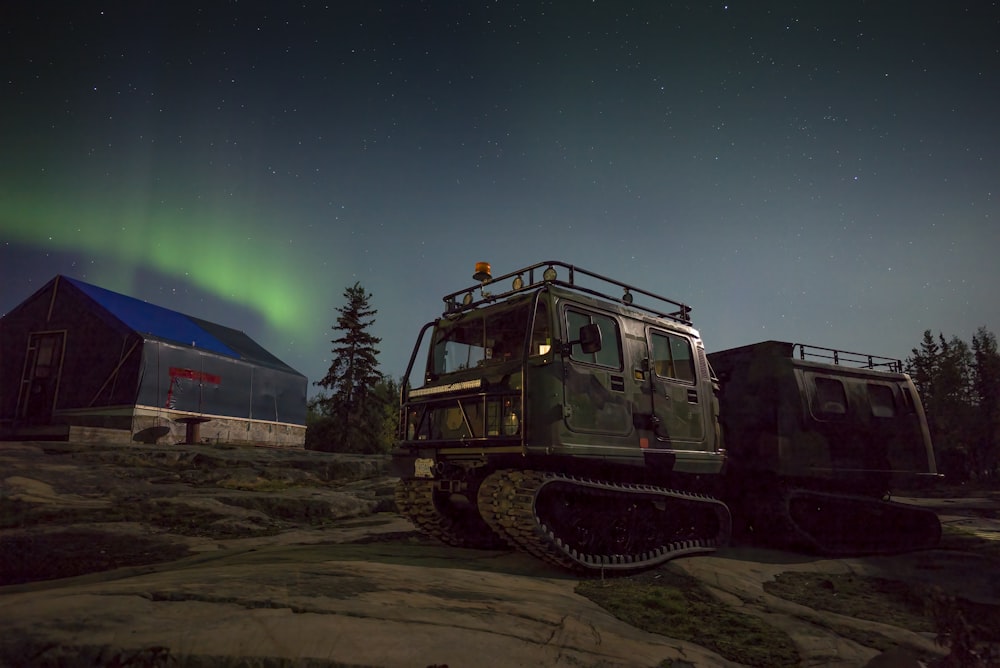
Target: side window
{"x": 672, "y": 357}
{"x": 909, "y": 403}
{"x": 541, "y": 335}
{"x": 882, "y": 402}
{"x": 610, "y": 353}
{"x": 830, "y": 400}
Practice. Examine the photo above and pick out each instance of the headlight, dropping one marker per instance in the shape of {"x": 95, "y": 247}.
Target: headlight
{"x": 511, "y": 422}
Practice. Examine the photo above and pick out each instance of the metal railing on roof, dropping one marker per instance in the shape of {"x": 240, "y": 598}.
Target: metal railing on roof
{"x": 550, "y": 273}
{"x": 845, "y": 358}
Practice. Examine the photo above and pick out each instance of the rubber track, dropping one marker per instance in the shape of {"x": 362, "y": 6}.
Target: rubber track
{"x": 507, "y": 503}
{"x": 415, "y": 502}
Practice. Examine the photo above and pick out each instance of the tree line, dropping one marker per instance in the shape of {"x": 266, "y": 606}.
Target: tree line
{"x": 958, "y": 383}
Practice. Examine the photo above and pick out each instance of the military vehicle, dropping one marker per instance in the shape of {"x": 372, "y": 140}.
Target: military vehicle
{"x": 816, "y": 440}
{"x": 577, "y": 418}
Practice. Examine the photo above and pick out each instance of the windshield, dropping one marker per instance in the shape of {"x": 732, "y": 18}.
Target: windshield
{"x": 480, "y": 338}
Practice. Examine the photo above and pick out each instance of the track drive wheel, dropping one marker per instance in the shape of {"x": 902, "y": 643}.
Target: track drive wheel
{"x": 451, "y": 518}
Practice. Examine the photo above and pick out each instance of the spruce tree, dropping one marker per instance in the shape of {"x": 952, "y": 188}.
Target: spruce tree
{"x": 923, "y": 366}
{"x": 953, "y": 410}
{"x": 960, "y": 390}
{"x": 353, "y": 375}
{"x": 986, "y": 393}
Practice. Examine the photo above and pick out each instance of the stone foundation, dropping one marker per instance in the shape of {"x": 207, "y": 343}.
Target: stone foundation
{"x": 164, "y": 427}
{"x": 164, "y": 430}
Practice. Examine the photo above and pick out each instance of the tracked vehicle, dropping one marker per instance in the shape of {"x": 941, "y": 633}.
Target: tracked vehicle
{"x": 816, "y": 440}
{"x": 577, "y": 418}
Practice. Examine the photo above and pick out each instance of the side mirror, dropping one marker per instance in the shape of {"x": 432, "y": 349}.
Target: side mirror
{"x": 590, "y": 338}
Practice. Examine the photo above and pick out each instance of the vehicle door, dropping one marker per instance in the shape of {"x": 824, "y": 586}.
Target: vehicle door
{"x": 594, "y": 386}
{"x": 678, "y": 413}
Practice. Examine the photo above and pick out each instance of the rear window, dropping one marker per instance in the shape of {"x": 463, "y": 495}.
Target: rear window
{"x": 830, "y": 399}
{"x": 882, "y": 401}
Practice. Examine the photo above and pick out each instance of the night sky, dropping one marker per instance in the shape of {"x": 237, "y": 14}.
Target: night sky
{"x": 825, "y": 173}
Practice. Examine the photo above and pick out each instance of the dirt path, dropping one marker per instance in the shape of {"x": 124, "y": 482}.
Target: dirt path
{"x": 273, "y": 558}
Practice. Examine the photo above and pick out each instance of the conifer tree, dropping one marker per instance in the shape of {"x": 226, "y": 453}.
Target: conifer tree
{"x": 960, "y": 390}
{"x": 986, "y": 393}
{"x": 354, "y": 374}
{"x": 922, "y": 367}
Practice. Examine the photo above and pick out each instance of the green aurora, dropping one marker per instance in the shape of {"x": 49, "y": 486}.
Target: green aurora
{"x": 216, "y": 253}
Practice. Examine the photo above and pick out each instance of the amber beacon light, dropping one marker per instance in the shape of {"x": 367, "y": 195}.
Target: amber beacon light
{"x": 482, "y": 272}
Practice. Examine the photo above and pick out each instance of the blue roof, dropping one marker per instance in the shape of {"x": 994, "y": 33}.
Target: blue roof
{"x": 149, "y": 319}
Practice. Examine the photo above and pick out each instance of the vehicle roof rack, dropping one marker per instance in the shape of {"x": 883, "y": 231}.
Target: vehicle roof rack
{"x": 843, "y": 357}
{"x": 548, "y": 273}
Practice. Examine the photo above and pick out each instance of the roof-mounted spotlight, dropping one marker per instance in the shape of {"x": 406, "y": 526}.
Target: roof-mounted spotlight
{"x": 482, "y": 272}
{"x": 518, "y": 283}
{"x": 627, "y": 297}
{"x": 467, "y": 298}
{"x": 549, "y": 274}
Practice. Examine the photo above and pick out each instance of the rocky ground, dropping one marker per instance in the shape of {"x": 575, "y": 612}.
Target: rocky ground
{"x": 214, "y": 555}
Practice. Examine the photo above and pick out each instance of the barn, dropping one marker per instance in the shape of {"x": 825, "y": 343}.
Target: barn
{"x": 83, "y": 363}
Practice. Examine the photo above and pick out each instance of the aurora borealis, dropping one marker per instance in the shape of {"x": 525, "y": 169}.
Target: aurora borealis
{"x": 818, "y": 174}
{"x": 174, "y": 245}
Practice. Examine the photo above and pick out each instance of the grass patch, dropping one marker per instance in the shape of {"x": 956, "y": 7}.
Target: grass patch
{"x": 17, "y": 514}
{"x": 961, "y": 625}
{"x": 875, "y": 599}
{"x": 963, "y": 540}
{"x": 62, "y": 554}
{"x": 673, "y": 604}
{"x": 867, "y": 637}
{"x": 298, "y": 594}
{"x": 40, "y": 653}
{"x": 260, "y": 484}
{"x": 308, "y": 511}
{"x": 177, "y": 518}
{"x": 14, "y": 513}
